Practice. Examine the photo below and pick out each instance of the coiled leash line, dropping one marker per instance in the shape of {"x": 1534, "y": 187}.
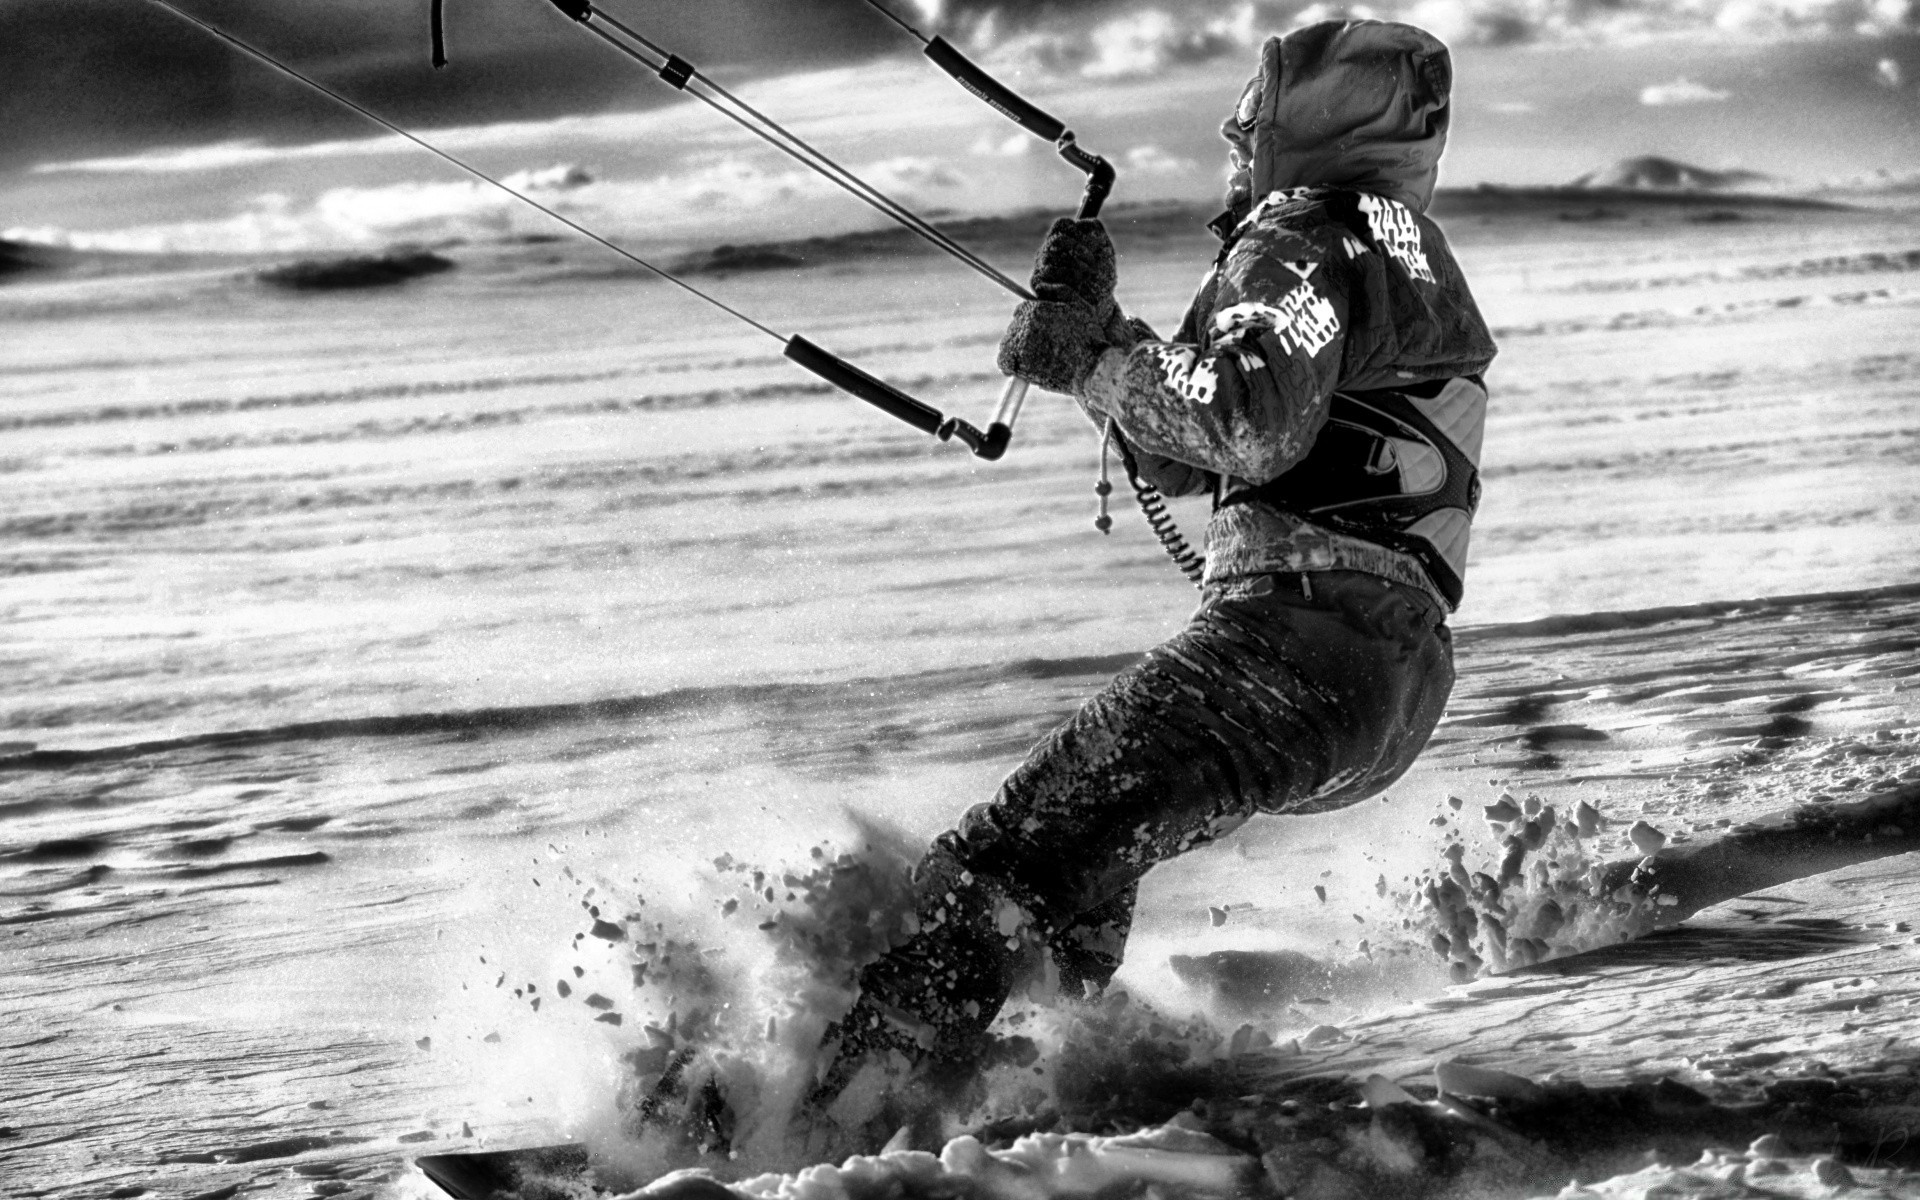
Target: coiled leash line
{"x": 842, "y": 374}
{"x": 1100, "y": 178}
{"x": 1153, "y": 506}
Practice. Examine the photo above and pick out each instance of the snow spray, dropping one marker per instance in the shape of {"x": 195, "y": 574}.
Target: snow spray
{"x": 723, "y": 1029}
{"x": 1548, "y": 896}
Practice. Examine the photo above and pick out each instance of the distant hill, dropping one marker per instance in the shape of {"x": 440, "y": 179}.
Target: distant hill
{"x": 1652, "y": 173}
{"x": 26, "y": 258}
{"x": 355, "y": 271}
{"x": 1643, "y": 187}
{"x": 16, "y": 257}
{"x": 1011, "y": 237}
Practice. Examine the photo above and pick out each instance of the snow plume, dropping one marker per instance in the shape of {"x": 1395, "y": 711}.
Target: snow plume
{"x": 732, "y": 995}
{"x": 730, "y": 1021}
{"x": 733, "y": 1044}
{"x": 1173, "y": 1159}
{"x": 1514, "y": 912}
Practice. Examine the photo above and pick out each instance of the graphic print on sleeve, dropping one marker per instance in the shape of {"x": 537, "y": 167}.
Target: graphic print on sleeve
{"x": 1186, "y": 374}
{"x": 1304, "y": 319}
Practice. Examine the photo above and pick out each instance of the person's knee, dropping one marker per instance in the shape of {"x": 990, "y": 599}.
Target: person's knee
{"x": 977, "y": 832}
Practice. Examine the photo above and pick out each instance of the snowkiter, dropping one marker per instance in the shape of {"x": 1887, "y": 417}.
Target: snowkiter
{"x": 1325, "y": 389}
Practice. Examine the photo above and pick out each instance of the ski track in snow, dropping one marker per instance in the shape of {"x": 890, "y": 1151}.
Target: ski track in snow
{"x": 338, "y": 622}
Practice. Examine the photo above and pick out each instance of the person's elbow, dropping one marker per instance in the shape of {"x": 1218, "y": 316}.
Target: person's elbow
{"x": 1258, "y": 455}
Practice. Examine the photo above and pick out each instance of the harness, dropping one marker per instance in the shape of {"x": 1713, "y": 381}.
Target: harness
{"x": 1384, "y": 469}
{"x": 1396, "y": 466}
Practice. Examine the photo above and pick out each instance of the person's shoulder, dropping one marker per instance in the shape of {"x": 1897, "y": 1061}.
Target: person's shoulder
{"x": 1288, "y": 225}
{"x": 1371, "y": 224}
{"x": 1298, "y": 211}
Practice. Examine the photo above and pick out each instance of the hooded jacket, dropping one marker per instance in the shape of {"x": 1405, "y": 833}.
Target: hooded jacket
{"x": 1332, "y": 282}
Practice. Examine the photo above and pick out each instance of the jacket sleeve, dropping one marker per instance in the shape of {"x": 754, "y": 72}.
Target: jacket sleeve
{"x": 1249, "y": 396}
{"x": 1171, "y": 476}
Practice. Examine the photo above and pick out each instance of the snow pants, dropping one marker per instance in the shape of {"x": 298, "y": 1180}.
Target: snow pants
{"x": 1284, "y": 694}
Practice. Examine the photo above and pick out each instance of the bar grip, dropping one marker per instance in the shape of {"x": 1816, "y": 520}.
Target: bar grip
{"x": 1099, "y": 171}
{"x": 877, "y": 392}
{"x": 969, "y": 76}
{"x": 1012, "y": 396}
{"x": 989, "y": 444}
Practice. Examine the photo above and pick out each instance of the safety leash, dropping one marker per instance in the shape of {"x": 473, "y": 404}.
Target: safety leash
{"x": 1153, "y": 506}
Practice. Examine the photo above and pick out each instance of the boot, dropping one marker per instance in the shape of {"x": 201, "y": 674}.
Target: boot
{"x": 931, "y": 998}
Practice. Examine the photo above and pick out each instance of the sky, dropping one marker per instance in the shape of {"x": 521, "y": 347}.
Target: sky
{"x": 129, "y": 129}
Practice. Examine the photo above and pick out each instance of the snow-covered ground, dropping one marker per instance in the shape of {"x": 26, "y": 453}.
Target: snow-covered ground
{"x": 355, "y": 637}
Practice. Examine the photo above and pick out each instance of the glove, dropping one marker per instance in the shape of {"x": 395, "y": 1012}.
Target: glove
{"x": 1126, "y": 332}
{"x": 1053, "y": 341}
{"x": 1078, "y": 256}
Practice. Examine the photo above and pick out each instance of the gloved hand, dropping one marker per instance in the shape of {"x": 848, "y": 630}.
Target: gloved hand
{"x": 1054, "y": 340}
{"x": 1078, "y": 255}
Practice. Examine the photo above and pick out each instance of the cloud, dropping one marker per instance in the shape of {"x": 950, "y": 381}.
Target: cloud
{"x": 1681, "y": 91}
{"x": 252, "y": 152}
{"x": 1139, "y": 44}
{"x": 1888, "y": 73}
{"x": 217, "y": 156}
{"x": 338, "y": 219}
{"x": 268, "y": 223}
{"x": 1013, "y": 145}
{"x": 845, "y": 103}
{"x": 151, "y": 81}
{"x": 670, "y": 175}
{"x": 910, "y": 174}
{"x": 1777, "y": 18}
{"x": 1152, "y": 160}
{"x": 1471, "y": 22}
{"x": 1113, "y": 39}
{"x": 1149, "y": 41}
{"x": 561, "y": 177}
{"x": 1506, "y": 22}
{"x": 740, "y": 197}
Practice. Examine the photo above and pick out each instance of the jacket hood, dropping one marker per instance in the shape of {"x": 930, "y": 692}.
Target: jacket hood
{"x": 1356, "y": 104}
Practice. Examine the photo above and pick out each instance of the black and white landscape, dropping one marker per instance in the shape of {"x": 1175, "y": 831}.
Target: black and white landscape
{"x": 399, "y": 590}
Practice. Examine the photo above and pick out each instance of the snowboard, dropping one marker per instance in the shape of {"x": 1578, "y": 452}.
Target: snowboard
{"x": 483, "y": 1175}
